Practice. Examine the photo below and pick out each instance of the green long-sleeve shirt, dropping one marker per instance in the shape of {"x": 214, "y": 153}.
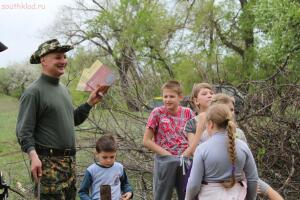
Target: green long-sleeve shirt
{"x": 46, "y": 116}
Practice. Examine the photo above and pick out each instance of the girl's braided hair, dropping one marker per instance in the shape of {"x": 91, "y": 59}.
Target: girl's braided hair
{"x": 222, "y": 117}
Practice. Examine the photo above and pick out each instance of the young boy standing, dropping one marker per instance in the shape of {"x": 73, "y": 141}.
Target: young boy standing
{"x": 105, "y": 172}
{"x": 165, "y": 124}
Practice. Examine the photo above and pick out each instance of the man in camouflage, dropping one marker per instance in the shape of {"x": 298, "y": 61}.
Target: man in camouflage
{"x": 45, "y": 126}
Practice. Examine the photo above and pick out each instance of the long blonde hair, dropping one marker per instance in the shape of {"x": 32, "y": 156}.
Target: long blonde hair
{"x": 220, "y": 115}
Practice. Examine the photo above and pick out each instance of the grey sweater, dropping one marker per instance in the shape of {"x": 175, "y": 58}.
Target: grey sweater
{"x": 46, "y": 116}
{"x": 211, "y": 164}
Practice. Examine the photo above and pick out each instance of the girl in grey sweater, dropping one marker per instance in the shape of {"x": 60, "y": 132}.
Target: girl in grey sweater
{"x": 219, "y": 163}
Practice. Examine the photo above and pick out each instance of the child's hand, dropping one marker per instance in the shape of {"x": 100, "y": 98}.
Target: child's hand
{"x": 187, "y": 153}
{"x": 126, "y": 196}
{"x": 258, "y": 190}
{"x": 201, "y": 124}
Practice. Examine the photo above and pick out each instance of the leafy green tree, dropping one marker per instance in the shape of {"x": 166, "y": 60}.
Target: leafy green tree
{"x": 279, "y": 23}
{"x": 5, "y": 81}
{"x": 15, "y": 78}
{"x": 132, "y": 36}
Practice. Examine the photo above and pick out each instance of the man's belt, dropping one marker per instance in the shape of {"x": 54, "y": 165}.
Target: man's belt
{"x": 54, "y": 152}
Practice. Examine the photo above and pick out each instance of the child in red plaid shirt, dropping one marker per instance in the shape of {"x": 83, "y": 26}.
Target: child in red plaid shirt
{"x": 166, "y": 125}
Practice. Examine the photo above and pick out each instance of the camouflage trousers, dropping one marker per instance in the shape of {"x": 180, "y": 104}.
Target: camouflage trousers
{"x": 58, "y": 181}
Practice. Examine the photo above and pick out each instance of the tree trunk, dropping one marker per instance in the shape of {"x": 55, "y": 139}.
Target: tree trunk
{"x": 124, "y": 63}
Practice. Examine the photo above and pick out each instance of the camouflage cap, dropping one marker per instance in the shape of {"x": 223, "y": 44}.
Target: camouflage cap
{"x": 49, "y": 46}
{"x": 2, "y": 47}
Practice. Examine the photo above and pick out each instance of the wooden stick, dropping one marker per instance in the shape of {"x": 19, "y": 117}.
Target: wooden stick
{"x": 105, "y": 192}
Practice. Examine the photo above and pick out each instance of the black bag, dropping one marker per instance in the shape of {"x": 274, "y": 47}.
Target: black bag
{"x": 4, "y": 187}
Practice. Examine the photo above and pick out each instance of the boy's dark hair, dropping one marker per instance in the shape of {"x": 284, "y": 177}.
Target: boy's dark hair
{"x": 173, "y": 85}
{"x": 106, "y": 143}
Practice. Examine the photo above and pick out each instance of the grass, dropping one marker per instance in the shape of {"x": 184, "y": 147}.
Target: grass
{"x": 8, "y": 114}
{"x": 11, "y": 158}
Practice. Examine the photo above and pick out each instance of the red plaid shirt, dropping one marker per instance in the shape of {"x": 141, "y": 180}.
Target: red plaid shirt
{"x": 169, "y": 129}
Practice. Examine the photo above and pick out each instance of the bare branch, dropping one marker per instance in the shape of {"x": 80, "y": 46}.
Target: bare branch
{"x": 226, "y": 42}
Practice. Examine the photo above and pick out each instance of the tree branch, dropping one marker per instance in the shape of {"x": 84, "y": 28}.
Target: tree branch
{"x": 226, "y": 42}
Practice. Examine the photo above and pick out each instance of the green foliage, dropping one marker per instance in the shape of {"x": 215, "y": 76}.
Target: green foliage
{"x": 15, "y": 78}
{"x": 186, "y": 71}
{"x": 279, "y": 22}
{"x": 261, "y": 152}
{"x": 232, "y": 65}
{"x": 5, "y": 81}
